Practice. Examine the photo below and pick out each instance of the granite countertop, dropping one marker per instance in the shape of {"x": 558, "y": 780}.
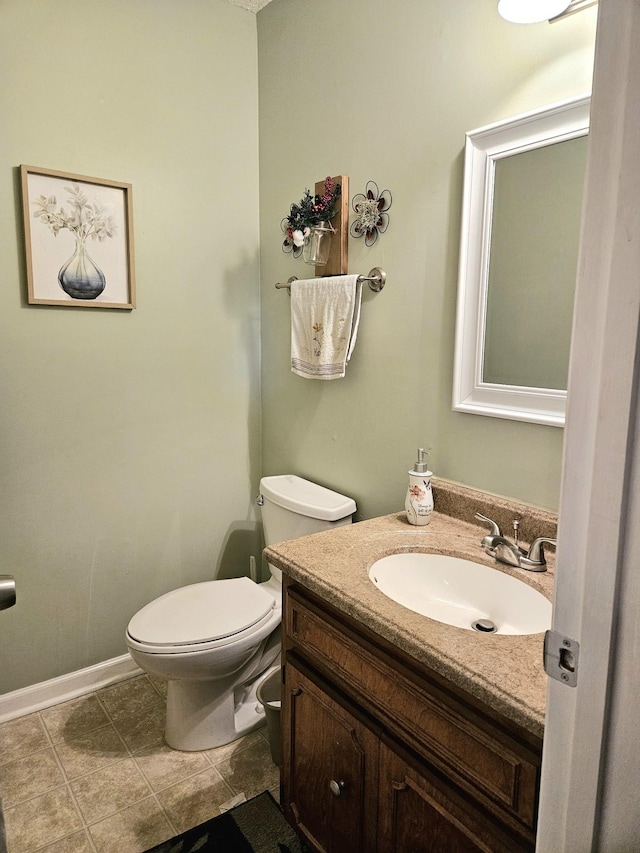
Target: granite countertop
{"x": 503, "y": 671}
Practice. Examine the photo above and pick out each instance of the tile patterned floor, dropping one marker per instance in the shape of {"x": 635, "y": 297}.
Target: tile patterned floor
{"x": 93, "y": 775}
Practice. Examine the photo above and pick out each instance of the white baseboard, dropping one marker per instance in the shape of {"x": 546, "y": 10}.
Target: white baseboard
{"x": 27, "y": 700}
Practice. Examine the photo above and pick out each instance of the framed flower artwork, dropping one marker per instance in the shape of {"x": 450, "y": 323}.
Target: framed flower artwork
{"x": 78, "y": 240}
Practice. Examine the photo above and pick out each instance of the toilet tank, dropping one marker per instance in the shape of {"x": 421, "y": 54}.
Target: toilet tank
{"x": 293, "y": 506}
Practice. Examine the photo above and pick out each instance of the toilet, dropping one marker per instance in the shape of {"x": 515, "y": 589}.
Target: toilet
{"x": 216, "y": 641}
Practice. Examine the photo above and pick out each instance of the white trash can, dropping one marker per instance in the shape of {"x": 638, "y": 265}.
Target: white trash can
{"x": 269, "y": 695}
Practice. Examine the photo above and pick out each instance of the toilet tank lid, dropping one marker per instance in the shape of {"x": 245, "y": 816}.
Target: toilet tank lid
{"x": 306, "y": 498}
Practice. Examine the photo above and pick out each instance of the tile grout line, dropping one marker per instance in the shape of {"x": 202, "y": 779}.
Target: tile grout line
{"x": 67, "y": 781}
{"x": 130, "y": 753}
{"x": 9, "y": 757}
{"x": 64, "y": 784}
{"x": 72, "y": 795}
{"x": 130, "y": 756}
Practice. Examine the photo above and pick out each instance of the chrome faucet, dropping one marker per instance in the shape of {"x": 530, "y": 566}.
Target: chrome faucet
{"x": 512, "y": 553}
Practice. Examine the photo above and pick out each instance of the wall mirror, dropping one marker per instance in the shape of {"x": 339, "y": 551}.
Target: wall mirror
{"x": 523, "y": 186}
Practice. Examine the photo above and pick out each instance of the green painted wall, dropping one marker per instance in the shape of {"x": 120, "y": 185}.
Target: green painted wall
{"x": 129, "y": 441}
{"x": 382, "y": 90}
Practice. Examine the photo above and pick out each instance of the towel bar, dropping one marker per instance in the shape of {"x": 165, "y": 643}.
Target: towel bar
{"x": 377, "y": 278}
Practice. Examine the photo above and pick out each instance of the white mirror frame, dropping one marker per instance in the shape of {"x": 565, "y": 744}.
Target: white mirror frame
{"x": 484, "y": 146}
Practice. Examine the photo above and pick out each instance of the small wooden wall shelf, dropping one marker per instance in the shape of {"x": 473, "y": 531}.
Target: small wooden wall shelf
{"x": 338, "y": 263}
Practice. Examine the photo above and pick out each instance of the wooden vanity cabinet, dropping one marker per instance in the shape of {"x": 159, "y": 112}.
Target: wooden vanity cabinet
{"x": 381, "y": 755}
{"x": 332, "y": 769}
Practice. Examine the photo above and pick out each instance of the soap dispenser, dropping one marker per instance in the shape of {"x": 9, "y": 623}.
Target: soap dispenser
{"x": 419, "y": 501}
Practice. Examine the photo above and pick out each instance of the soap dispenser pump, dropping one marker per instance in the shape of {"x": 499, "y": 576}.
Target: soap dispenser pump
{"x": 419, "y": 500}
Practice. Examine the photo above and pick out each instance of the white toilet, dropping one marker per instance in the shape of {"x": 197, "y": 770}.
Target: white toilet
{"x": 214, "y": 642}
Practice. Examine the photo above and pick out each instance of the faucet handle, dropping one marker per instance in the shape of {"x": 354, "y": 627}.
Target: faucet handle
{"x": 495, "y": 530}
{"x": 536, "y": 551}
{"x": 489, "y": 541}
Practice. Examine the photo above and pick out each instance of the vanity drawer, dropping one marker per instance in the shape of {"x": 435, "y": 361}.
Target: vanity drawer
{"x": 471, "y": 749}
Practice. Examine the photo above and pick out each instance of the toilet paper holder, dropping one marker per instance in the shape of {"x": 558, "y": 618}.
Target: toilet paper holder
{"x": 7, "y": 591}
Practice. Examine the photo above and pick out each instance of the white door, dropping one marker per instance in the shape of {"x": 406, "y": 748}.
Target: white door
{"x": 591, "y": 762}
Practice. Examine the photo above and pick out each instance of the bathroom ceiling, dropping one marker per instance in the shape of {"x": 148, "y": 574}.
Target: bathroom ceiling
{"x": 251, "y": 5}
{"x": 256, "y": 5}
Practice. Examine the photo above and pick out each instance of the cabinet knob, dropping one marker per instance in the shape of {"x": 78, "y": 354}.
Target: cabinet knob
{"x": 336, "y": 788}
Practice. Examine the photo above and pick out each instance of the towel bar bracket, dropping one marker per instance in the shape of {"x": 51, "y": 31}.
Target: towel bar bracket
{"x": 287, "y": 286}
{"x": 376, "y": 279}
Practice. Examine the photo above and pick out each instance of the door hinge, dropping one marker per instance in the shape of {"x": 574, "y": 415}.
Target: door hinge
{"x": 561, "y": 655}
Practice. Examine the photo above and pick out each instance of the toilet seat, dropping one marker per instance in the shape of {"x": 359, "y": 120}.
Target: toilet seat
{"x": 201, "y": 616}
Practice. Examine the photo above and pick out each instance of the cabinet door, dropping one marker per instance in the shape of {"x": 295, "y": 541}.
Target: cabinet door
{"x": 330, "y": 763}
{"x": 419, "y": 815}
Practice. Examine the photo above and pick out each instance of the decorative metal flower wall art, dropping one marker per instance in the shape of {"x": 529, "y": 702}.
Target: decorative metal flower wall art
{"x": 371, "y": 209}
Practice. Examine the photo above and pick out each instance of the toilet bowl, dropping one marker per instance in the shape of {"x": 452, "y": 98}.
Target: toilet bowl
{"x": 206, "y": 639}
{"x": 214, "y": 641}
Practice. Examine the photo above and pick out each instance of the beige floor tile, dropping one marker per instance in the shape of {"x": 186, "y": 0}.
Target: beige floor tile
{"x": 76, "y": 843}
{"x": 90, "y": 752}
{"x": 195, "y": 800}
{"x": 41, "y": 821}
{"x": 107, "y": 805}
{"x": 106, "y": 791}
{"x": 132, "y": 830}
{"x": 142, "y": 729}
{"x": 129, "y": 697}
{"x": 163, "y": 766}
{"x": 250, "y": 770}
{"x": 29, "y": 776}
{"x": 223, "y": 753}
{"x": 21, "y": 737}
{"x": 74, "y": 718}
{"x": 160, "y": 685}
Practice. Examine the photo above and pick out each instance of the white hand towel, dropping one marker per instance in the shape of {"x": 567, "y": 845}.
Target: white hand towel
{"x": 325, "y": 313}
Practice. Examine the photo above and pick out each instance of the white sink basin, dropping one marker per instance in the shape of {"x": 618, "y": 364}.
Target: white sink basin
{"x": 460, "y": 592}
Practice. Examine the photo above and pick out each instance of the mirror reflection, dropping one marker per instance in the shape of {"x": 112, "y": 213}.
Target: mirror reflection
{"x": 533, "y": 257}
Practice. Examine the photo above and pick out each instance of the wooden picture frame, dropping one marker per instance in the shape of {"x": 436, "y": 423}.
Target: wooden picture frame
{"x": 78, "y": 240}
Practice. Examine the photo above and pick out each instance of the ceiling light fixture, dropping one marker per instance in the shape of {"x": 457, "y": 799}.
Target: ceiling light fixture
{"x": 531, "y": 11}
